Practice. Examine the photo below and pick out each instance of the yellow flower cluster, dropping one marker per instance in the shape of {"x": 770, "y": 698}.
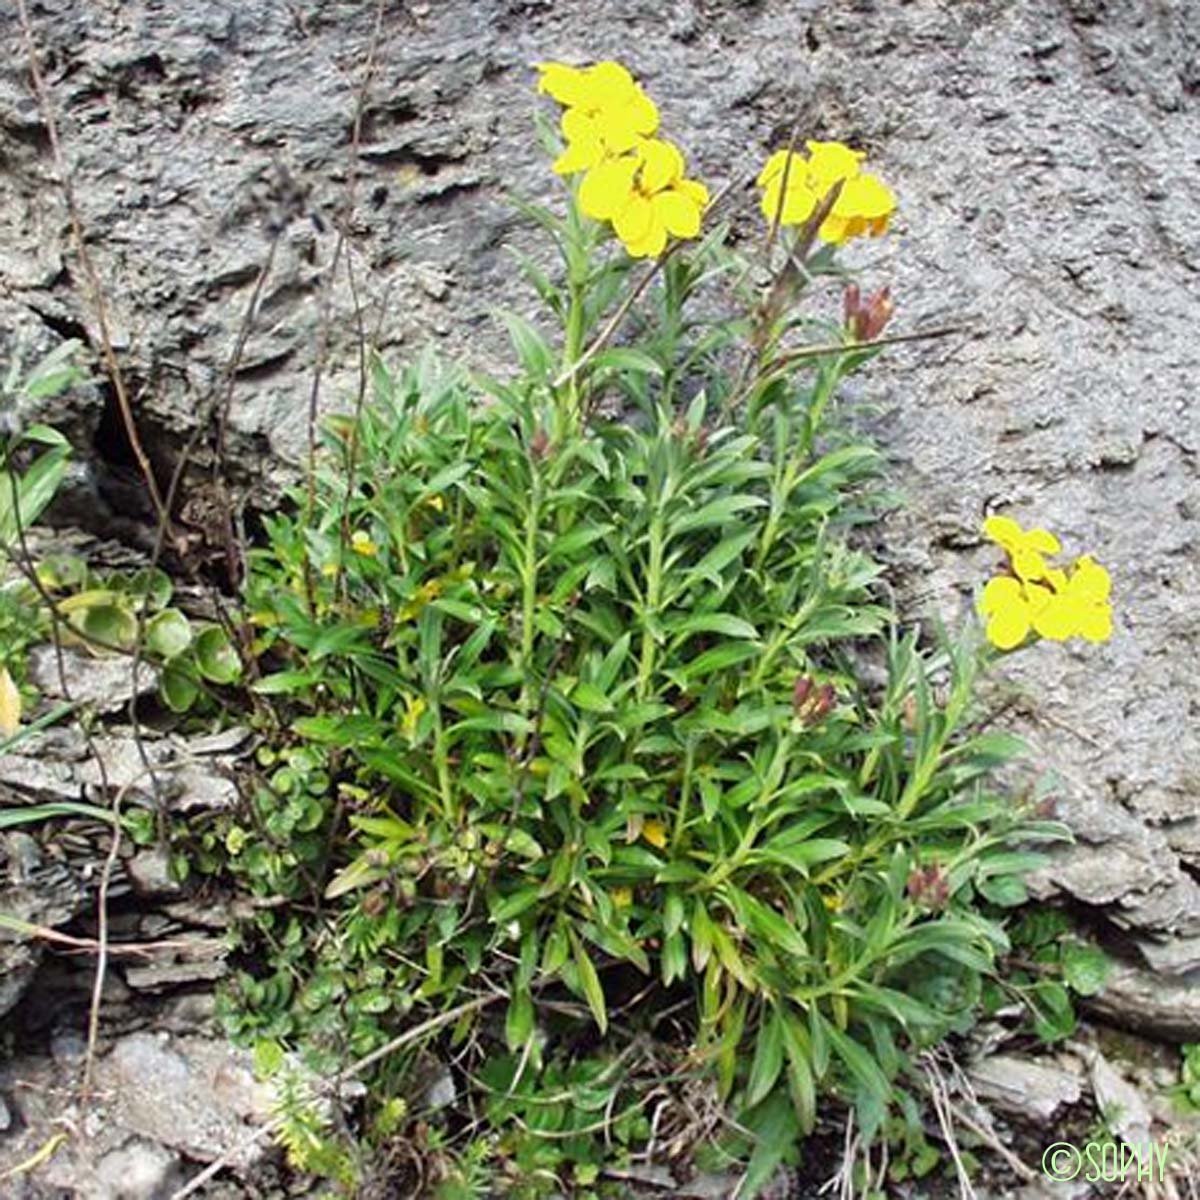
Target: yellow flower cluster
{"x": 632, "y": 180}
{"x": 793, "y": 185}
{"x": 1040, "y": 598}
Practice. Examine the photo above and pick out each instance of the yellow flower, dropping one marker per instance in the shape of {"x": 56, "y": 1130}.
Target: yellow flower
{"x": 622, "y": 897}
{"x": 424, "y": 594}
{"x": 793, "y": 185}
{"x": 1079, "y": 604}
{"x": 655, "y": 833}
{"x": 1059, "y": 607}
{"x": 606, "y": 112}
{"x": 645, "y": 196}
{"x": 361, "y": 543}
{"x": 1010, "y": 607}
{"x": 1025, "y": 548}
{"x": 414, "y": 707}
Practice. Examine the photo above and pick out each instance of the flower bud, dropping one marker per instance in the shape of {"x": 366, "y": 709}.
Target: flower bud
{"x": 811, "y": 703}
{"x": 866, "y": 319}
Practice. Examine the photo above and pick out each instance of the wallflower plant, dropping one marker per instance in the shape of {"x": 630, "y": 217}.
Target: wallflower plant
{"x": 573, "y": 759}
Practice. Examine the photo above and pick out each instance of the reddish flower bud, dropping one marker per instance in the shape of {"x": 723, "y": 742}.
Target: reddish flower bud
{"x": 812, "y": 703}
{"x": 539, "y": 445}
{"x": 928, "y": 886}
{"x": 851, "y": 302}
{"x": 866, "y": 319}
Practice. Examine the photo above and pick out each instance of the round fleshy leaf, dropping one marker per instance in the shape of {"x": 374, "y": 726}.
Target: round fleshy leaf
{"x": 177, "y": 689}
{"x": 110, "y": 625}
{"x": 168, "y": 633}
{"x": 216, "y": 658}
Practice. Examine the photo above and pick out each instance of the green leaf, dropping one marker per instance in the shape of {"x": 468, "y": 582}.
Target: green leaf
{"x": 514, "y": 905}
{"x": 177, "y": 689}
{"x": 1007, "y": 891}
{"x": 361, "y": 872}
{"x": 1054, "y": 1014}
{"x": 215, "y": 656}
{"x": 860, "y": 1065}
{"x": 801, "y": 1085}
{"x": 1085, "y": 968}
{"x": 803, "y": 855}
{"x": 716, "y": 512}
{"x": 723, "y": 623}
{"x": 578, "y": 539}
{"x": 590, "y": 698}
{"x": 168, "y": 633}
{"x": 110, "y": 625}
{"x": 626, "y": 358}
{"x": 768, "y": 1057}
{"x": 776, "y": 1129}
{"x": 719, "y": 658}
{"x": 518, "y": 1023}
{"x": 532, "y": 349}
{"x": 590, "y": 982}
{"x": 283, "y": 682}
{"x": 33, "y": 813}
{"x": 151, "y": 586}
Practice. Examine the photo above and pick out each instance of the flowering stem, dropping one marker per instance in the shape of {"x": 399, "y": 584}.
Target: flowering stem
{"x": 653, "y": 591}
{"x": 529, "y": 582}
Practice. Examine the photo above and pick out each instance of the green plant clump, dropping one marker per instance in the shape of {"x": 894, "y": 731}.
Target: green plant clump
{"x": 574, "y": 758}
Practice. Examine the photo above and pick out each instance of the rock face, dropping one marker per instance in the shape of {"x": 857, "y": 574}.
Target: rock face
{"x": 161, "y": 1103}
{"x": 1046, "y": 155}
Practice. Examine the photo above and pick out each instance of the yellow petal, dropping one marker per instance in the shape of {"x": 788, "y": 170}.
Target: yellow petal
{"x": 1001, "y": 594}
{"x": 641, "y": 114}
{"x": 565, "y": 84}
{"x": 1004, "y": 531}
{"x": 677, "y": 214}
{"x": 1090, "y": 580}
{"x": 580, "y": 155}
{"x": 622, "y": 897}
{"x": 1095, "y": 623}
{"x": 1057, "y": 620}
{"x": 1042, "y": 540}
{"x": 655, "y": 833}
{"x": 580, "y": 125}
{"x": 610, "y": 77}
{"x": 865, "y": 196}
{"x": 695, "y": 191}
{"x": 662, "y": 164}
{"x": 835, "y": 230}
{"x": 10, "y": 705}
{"x": 1028, "y": 564}
{"x": 607, "y": 188}
{"x": 1009, "y": 627}
{"x": 798, "y": 204}
{"x": 830, "y": 161}
{"x": 774, "y": 168}
{"x": 650, "y": 246}
{"x": 635, "y": 220}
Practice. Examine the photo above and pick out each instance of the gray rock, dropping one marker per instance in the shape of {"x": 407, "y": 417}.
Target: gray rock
{"x": 139, "y": 1170}
{"x": 1046, "y": 164}
{"x": 103, "y": 683}
{"x": 157, "y": 1100}
{"x": 149, "y": 872}
{"x": 1120, "y": 1103}
{"x": 1026, "y": 1087}
{"x": 38, "y": 892}
{"x": 1137, "y": 999}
